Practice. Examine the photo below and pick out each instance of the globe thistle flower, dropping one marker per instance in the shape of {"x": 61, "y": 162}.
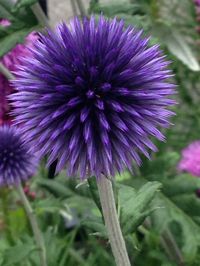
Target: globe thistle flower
{"x": 16, "y": 163}
{"x": 190, "y": 161}
{"x": 11, "y": 61}
{"x": 92, "y": 96}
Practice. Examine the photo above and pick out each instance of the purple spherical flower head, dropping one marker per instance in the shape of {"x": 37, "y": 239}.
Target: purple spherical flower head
{"x": 190, "y": 161}
{"x": 92, "y": 96}
{"x": 16, "y": 163}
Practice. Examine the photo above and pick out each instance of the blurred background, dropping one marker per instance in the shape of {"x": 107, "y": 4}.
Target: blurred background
{"x": 159, "y": 205}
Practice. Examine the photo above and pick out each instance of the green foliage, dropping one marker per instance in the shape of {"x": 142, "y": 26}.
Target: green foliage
{"x": 55, "y": 187}
{"x": 172, "y": 213}
{"x": 154, "y": 205}
{"x": 157, "y": 19}
{"x": 135, "y": 205}
{"x": 17, "y": 254}
{"x": 22, "y": 23}
{"x": 178, "y": 45}
{"x": 23, "y": 3}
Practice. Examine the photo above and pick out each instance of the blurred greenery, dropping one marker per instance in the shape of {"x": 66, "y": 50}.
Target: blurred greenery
{"x": 158, "y": 207}
{"x": 22, "y": 22}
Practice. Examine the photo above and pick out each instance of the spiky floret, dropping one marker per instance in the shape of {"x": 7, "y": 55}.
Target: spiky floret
{"x": 16, "y": 163}
{"x": 92, "y": 95}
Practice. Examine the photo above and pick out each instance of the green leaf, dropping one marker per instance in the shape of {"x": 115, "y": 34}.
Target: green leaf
{"x": 5, "y": 7}
{"x": 95, "y": 224}
{"x": 10, "y": 40}
{"x": 112, "y": 8}
{"x": 160, "y": 166}
{"x": 189, "y": 203}
{"x": 17, "y": 254}
{"x": 94, "y": 191}
{"x": 17, "y": 222}
{"x": 177, "y": 45}
{"x": 23, "y": 3}
{"x": 55, "y": 187}
{"x": 50, "y": 204}
{"x": 22, "y": 22}
{"x": 135, "y": 205}
{"x": 189, "y": 233}
{"x": 181, "y": 184}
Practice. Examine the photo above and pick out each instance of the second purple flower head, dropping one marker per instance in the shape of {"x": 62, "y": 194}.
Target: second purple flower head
{"x": 92, "y": 95}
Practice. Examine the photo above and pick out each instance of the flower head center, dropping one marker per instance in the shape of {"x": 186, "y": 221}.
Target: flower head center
{"x": 90, "y": 94}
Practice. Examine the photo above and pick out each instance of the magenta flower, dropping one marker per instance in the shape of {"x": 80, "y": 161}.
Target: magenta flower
{"x": 190, "y": 161}
{"x": 197, "y": 2}
{"x": 11, "y": 61}
{"x": 4, "y": 22}
{"x": 93, "y": 95}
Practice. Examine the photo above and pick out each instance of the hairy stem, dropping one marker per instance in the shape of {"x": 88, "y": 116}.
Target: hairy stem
{"x": 33, "y": 221}
{"x": 6, "y": 72}
{"x": 112, "y": 223}
{"x": 40, "y": 15}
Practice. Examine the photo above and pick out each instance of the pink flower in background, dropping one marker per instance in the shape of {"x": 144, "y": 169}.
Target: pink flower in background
{"x": 190, "y": 161}
{"x": 11, "y": 61}
{"x": 4, "y": 22}
{"x": 197, "y": 2}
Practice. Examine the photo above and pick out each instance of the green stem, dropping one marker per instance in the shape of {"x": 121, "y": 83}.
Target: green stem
{"x": 169, "y": 245}
{"x": 6, "y": 219}
{"x": 33, "y": 221}
{"x": 74, "y": 9}
{"x": 40, "y": 15}
{"x": 81, "y": 8}
{"x": 112, "y": 223}
{"x": 6, "y": 72}
{"x": 154, "y": 9}
{"x": 172, "y": 245}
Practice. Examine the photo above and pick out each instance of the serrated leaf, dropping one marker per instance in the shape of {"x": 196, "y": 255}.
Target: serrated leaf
{"x": 135, "y": 205}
